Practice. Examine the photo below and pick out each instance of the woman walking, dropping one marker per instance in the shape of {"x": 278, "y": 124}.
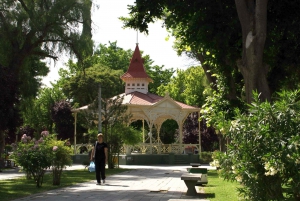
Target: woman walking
{"x": 99, "y": 154}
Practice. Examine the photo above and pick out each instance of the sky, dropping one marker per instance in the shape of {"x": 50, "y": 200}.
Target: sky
{"x": 107, "y": 27}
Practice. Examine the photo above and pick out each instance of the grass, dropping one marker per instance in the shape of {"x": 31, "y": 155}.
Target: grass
{"x": 219, "y": 189}
{"x": 20, "y": 187}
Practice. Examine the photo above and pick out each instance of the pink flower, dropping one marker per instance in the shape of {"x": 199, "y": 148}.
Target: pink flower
{"x": 14, "y": 145}
{"x": 55, "y": 148}
{"x": 45, "y": 133}
{"x": 41, "y": 140}
{"x": 24, "y": 138}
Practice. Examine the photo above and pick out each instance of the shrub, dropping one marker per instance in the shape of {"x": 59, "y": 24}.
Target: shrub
{"x": 263, "y": 153}
{"x": 206, "y": 157}
{"x": 33, "y": 156}
{"x": 36, "y": 156}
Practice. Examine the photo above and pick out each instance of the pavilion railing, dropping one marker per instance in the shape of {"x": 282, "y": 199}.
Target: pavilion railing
{"x": 146, "y": 148}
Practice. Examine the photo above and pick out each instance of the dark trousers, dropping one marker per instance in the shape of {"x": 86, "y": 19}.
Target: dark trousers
{"x": 100, "y": 170}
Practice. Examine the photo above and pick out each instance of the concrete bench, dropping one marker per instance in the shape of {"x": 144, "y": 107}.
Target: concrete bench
{"x": 190, "y": 181}
{"x": 203, "y": 171}
{"x": 187, "y": 199}
{"x": 195, "y": 164}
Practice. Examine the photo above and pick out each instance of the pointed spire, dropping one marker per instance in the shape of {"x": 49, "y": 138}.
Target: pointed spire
{"x": 136, "y": 68}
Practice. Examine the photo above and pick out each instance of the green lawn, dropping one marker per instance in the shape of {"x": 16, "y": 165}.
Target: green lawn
{"x": 21, "y": 187}
{"x": 219, "y": 189}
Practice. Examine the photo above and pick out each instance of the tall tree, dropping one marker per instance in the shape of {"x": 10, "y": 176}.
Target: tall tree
{"x": 36, "y": 112}
{"x": 211, "y": 31}
{"x": 62, "y": 117}
{"x": 83, "y": 86}
{"x": 34, "y": 29}
{"x": 187, "y": 86}
{"x": 253, "y": 19}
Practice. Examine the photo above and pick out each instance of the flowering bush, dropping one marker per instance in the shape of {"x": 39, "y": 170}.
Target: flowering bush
{"x": 264, "y": 149}
{"x": 61, "y": 157}
{"x": 36, "y": 156}
{"x": 33, "y": 156}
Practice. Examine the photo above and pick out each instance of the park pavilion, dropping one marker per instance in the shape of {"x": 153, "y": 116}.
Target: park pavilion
{"x": 152, "y": 109}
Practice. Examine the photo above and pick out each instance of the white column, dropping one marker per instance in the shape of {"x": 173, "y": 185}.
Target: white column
{"x": 180, "y": 136}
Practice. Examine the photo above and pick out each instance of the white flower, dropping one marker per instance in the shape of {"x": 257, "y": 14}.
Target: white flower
{"x": 238, "y": 178}
{"x": 55, "y": 148}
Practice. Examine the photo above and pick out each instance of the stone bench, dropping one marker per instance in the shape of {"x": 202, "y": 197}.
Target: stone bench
{"x": 190, "y": 181}
{"x": 203, "y": 171}
{"x": 195, "y": 164}
{"x": 187, "y": 199}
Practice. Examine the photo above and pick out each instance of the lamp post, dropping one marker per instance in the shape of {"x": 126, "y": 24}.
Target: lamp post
{"x": 99, "y": 110}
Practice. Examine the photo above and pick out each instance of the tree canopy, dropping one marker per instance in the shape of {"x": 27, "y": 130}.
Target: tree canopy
{"x": 31, "y": 31}
{"x": 213, "y": 33}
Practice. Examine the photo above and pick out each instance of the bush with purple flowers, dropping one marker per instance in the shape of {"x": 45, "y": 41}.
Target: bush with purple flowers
{"x": 33, "y": 156}
{"x": 36, "y": 156}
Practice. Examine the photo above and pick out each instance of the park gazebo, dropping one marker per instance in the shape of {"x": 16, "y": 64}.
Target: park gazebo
{"x": 152, "y": 109}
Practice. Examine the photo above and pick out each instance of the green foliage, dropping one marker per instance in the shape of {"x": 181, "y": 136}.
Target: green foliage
{"x": 61, "y": 115}
{"x": 31, "y": 31}
{"x": 160, "y": 76}
{"x": 128, "y": 135}
{"x": 118, "y": 135}
{"x": 187, "y": 86}
{"x": 218, "y": 109}
{"x": 263, "y": 153}
{"x": 36, "y": 156}
{"x": 61, "y": 157}
{"x": 206, "y": 157}
{"x": 83, "y": 86}
{"x": 210, "y": 31}
{"x": 168, "y": 131}
{"x": 36, "y": 112}
{"x": 112, "y": 56}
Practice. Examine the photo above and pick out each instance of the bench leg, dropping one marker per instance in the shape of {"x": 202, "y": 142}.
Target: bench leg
{"x": 190, "y": 184}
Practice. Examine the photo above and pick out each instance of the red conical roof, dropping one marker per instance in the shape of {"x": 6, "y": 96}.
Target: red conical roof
{"x": 136, "y": 68}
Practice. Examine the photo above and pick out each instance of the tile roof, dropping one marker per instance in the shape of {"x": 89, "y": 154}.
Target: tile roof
{"x": 136, "y": 68}
{"x": 138, "y": 98}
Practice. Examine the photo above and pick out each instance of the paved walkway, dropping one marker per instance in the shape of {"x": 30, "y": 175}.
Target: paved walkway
{"x": 141, "y": 183}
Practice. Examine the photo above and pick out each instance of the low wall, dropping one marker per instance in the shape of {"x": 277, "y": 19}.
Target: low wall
{"x": 146, "y": 159}
{"x": 81, "y": 159}
{"x": 158, "y": 159}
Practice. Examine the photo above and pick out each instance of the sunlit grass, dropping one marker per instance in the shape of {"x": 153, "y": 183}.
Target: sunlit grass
{"x": 20, "y": 187}
{"x": 219, "y": 189}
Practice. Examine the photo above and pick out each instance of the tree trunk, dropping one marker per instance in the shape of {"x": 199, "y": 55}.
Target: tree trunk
{"x": 253, "y": 18}
{"x": 212, "y": 80}
{"x": 56, "y": 175}
{"x": 2, "y": 142}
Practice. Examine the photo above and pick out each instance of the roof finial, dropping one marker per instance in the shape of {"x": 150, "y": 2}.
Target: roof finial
{"x": 137, "y": 37}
